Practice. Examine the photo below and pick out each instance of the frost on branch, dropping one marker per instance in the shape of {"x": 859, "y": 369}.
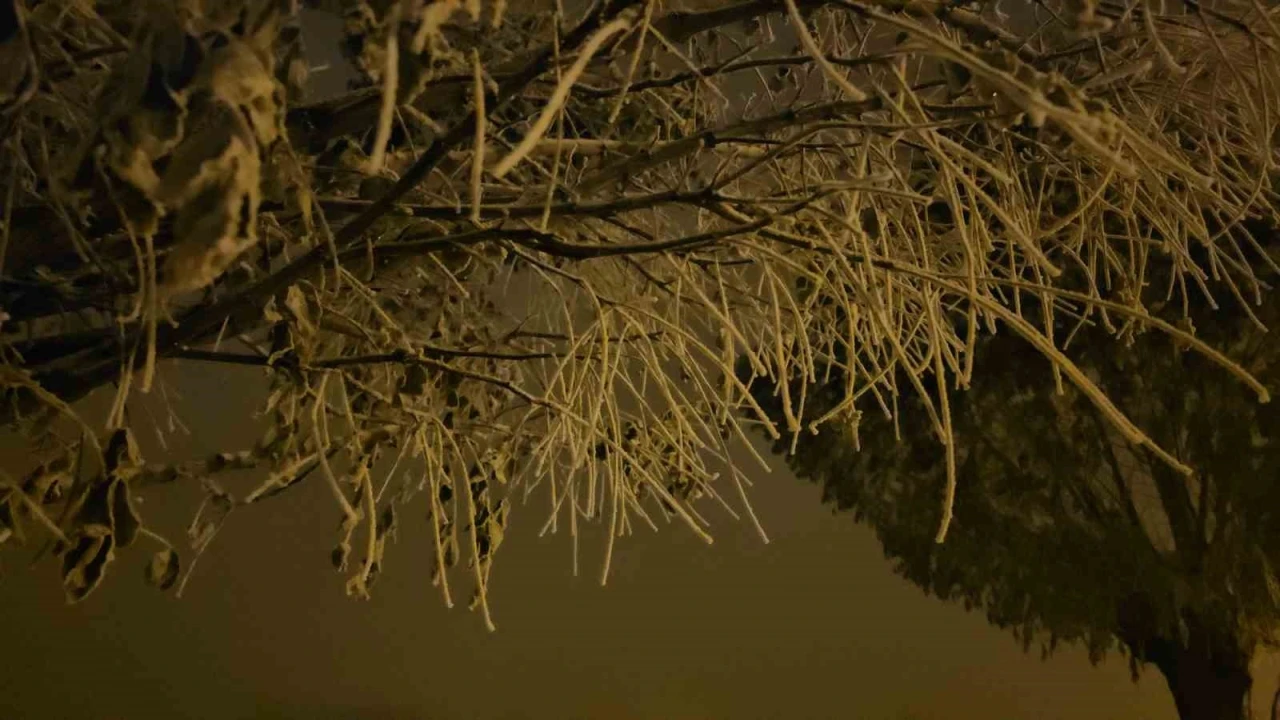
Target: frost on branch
{"x": 540, "y": 266}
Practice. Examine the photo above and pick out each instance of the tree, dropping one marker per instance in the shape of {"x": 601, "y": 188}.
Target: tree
{"x": 1066, "y": 533}
{"x": 530, "y": 247}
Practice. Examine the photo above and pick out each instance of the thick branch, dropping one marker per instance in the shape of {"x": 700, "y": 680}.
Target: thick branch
{"x": 208, "y": 319}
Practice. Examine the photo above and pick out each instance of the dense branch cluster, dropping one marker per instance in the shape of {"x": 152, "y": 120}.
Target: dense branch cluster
{"x": 1066, "y": 534}
{"x": 529, "y": 250}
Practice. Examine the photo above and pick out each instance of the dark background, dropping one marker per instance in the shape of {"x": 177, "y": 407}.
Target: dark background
{"x": 813, "y": 625}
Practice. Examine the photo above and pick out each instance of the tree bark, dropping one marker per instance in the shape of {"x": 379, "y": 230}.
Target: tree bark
{"x": 1207, "y": 668}
{"x": 1206, "y": 685}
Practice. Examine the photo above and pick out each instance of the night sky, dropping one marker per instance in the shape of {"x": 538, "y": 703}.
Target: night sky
{"x": 813, "y": 625}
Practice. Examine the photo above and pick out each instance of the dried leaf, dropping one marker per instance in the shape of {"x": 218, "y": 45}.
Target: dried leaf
{"x": 202, "y": 160}
{"x": 96, "y": 508}
{"x": 214, "y": 229}
{"x": 221, "y": 500}
{"x": 241, "y": 78}
{"x": 122, "y": 454}
{"x": 200, "y": 534}
{"x": 84, "y": 565}
{"x": 295, "y": 301}
{"x": 125, "y": 521}
{"x": 162, "y": 571}
{"x": 214, "y": 182}
{"x": 271, "y": 314}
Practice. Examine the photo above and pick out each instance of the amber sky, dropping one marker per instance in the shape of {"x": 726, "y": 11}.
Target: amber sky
{"x": 812, "y": 626}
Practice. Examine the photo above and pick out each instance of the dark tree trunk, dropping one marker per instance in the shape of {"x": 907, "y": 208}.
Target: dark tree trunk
{"x": 1207, "y": 668}
{"x": 1207, "y": 683}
